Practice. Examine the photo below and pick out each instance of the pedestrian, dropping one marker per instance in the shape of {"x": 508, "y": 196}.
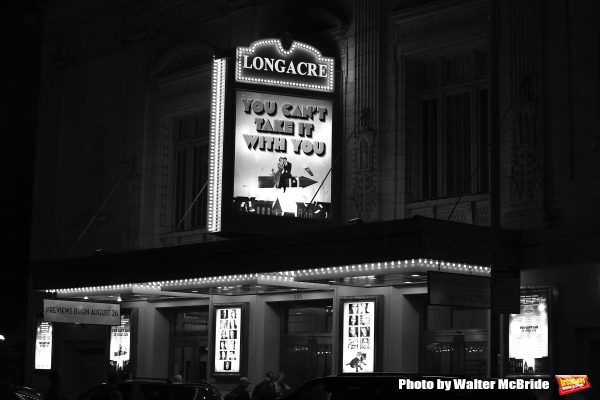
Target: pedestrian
{"x": 267, "y": 391}
{"x": 269, "y": 377}
{"x": 55, "y": 392}
{"x": 240, "y": 392}
{"x": 105, "y": 392}
{"x": 281, "y": 389}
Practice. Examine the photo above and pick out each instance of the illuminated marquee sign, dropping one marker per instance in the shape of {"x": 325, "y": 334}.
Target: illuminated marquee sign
{"x": 529, "y": 333}
{"x": 266, "y": 62}
{"x": 282, "y": 155}
{"x": 43, "y": 344}
{"x": 359, "y": 334}
{"x": 271, "y": 147}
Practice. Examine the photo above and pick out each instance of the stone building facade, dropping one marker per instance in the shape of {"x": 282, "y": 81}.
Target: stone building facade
{"x": 425, "y": 88}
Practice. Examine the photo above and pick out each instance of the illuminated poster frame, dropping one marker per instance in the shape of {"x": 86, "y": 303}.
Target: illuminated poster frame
{"x": 530, "y": 332}
{"x": 43, "y": 343}
{"x": 283, "y": 155}
{"x": 120, "y": 344}
{"x": 230, "y": 340}
{"x": 360, "y": 333}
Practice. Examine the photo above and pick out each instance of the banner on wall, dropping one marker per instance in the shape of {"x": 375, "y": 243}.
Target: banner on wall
{"x": 282, "y": 155}
{"x": 228, "y": 340}
{"x": 43, "y": 344}
{"x": 528, "y": 334}
{"x": 80, "y": 312}
{"x": 120, "y": 344}
{"x": 358, "y": 336}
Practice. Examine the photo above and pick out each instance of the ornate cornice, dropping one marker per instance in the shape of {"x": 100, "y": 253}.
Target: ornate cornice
{"x": 184, "y": 88}
{"x": 438, "y": 18}
{"x": 182, "y": 57}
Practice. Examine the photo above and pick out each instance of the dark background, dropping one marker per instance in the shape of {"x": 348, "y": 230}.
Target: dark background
{"x": 21, "y": 38}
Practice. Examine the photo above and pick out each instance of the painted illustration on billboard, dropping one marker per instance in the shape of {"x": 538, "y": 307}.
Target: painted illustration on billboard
{"x": 358, "y": 345}
{"x": 528, "y": 334}
{"x": 228, "y": 339}
{"x": 120, "y": 344}
{"x": 43, "y": 344}
{"x": 282, "y": 156}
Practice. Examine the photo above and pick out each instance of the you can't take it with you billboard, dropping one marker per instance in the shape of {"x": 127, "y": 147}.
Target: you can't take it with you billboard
{"x": 273, "y": 141}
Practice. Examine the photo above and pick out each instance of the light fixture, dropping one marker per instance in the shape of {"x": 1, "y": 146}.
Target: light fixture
{"x": 2, "y": 338}
{"x": 86, "y": 298}
{"x": 194, "y": 291}
{"x": 415, "y": 275}
{"x": 119, "y": 298}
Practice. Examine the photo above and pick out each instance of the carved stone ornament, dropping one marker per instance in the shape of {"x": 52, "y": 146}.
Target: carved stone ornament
{"x": 63, "y": 54}
{"x": 526, "y": 156}
{"x": 132, "y": 229}
{"x": 364, "y": 196}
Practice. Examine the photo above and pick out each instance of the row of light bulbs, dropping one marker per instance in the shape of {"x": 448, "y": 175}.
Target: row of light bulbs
{"x": 292, "y": 276}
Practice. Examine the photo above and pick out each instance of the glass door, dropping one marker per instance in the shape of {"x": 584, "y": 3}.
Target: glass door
{"x": 306, "y": 341}
{"x": 458, "y": 353}
{"x": 189, "y": 359}
{"x": 304, "y": 359}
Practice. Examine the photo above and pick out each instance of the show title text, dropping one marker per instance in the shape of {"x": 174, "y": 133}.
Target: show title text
{"x": 297, "y": 126}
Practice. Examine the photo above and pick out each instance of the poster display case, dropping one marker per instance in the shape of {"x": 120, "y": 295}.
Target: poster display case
{"x": 360, "y": 333}
{"x": 230, "y": 333}
{"x": 529, "y": 333}
{"x": 43, "y": 343}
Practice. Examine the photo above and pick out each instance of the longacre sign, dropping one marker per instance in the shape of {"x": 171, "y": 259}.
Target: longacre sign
{"x": 458, "y": 290}
{"x": 266, "y": 62}
{"x": 80, "y": 312}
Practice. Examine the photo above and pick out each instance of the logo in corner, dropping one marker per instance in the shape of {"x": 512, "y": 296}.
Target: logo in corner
{"x": 568, "y": 384}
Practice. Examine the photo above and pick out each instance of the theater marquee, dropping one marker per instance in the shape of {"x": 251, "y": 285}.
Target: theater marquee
{"x": 272, "y": 138}
{"x": 302, "y": 66}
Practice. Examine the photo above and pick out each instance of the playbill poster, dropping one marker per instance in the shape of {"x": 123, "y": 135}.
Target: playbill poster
{"x": 358, "y": 336}
{"x": 228, "y": 339}
{"x": 528, "y": 334}
{"x": 120, "y": 344}
{"x": 43, "y": 344}
{"x": 282, "y": 156}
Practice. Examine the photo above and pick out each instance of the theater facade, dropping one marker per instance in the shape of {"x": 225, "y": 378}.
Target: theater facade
{"x": 228, "y": 188}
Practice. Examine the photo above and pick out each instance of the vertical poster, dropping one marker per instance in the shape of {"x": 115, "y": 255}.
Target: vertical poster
{"x": 228, "y": 339}
{"x": 282, "y": 156}
{"x": 120, "y": 344}
{"x": 358, "y": 333}
{"x": 43, "y": 344}
{"x": 528, "y": 333}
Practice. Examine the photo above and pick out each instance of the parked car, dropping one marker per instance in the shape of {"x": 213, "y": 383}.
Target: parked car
{"x": 8, "y": 391}
{"x": 160, "y": 389}
{"x": 385, "y": 386}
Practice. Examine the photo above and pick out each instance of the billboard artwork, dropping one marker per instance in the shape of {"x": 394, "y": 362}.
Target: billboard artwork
{"x": 282, "y": 156}
{"x": 43, "y": 344}
{"x": 528, "y": 334}
{"x": 228, "y": 339}
{"x": 120, "y": 344}
{"x": 358, "y": 336}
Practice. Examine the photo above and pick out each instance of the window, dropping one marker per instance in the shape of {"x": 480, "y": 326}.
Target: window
{"x": 453, "y": 118}
{"x": 191, "y": 172}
